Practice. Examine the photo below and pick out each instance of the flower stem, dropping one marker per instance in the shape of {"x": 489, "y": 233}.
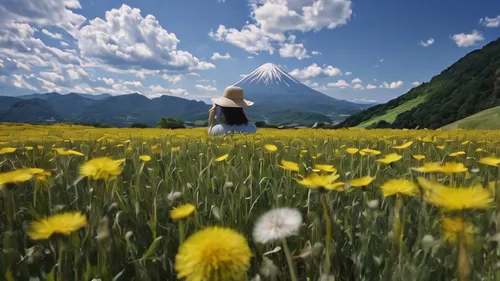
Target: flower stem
{"x": 291, "y": 265}
{"x": 181, "y": 231}
{"x": 328, "y": 237}
{"x": 60, "y": 248}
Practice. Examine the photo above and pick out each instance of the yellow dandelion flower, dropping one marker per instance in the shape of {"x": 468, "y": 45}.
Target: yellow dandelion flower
{"x": 465, "y": 142}
{"x": 452, "y": 168}
{"x": 289, "y": 165}
{"x": 479, "y": 150}
{"x": 212, "y": 254}
{"x": 453, "y": 227}
{"x": 222, "y": 158}
{"x": 101, "y": 139}
{"x": 176, "y": 148}
{"x": 40, "y": 147}
{"x": 325, "y": 168}
{"x": 63, "y": 151}
{"x": 451, "y": 198}
{"x": 317, "y": 181}
{"x": 19, "y": 175}
{"x": 156, "y": 148}
{"x": 404, "y": 145}
{"x": 101, "y": 168}
{"x": 182, "y": 211}
{"x": 7, "y": 150}
{"x": 64, "y": 224}
{"x": 271, "y": 147}
{"x": 120, "y": 145}
{"x": 28, "y": 148}
{"x": 352, "y": 150}
{"x": 364, "y": 181}
{"x": 418, "y": 157}
{"x": 440, "y": 147}
{"x": 390, "y": 158}
{"x": 455, "y": 154}
{"x": 397, "y": 187}
{"x": 490, "y": 161}
{"x": 145, "y": 158}
{"x": 369, "y": 152}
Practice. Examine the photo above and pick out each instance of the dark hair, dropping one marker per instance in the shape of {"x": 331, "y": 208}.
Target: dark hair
{"x": 233, "y": 116}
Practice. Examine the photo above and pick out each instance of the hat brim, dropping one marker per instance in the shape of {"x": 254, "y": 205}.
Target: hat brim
{"x": 225, "y": 102}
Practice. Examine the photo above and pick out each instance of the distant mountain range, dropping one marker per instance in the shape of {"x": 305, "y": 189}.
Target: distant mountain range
{"x": 279, "y": 99}
{"x": 469, "y": 86}
{"x": 122, "y": 110}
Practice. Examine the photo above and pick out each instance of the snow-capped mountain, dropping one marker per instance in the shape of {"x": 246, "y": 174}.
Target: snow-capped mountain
{"x": 273, "y": 89}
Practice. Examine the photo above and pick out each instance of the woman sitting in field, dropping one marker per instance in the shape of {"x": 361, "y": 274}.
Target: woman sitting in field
{"x": 231, "y": 117}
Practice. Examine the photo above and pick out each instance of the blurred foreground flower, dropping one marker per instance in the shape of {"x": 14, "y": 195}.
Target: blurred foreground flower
{"x": 418, "y": 157}
{"x": 399, "y": 187}
{"x": 475, "y": 197}
{"x": 324, "y": 168}
{"x": 490, "y": 161}
{"x": 6, "y": 150}
{"x": 369, "y": 152}
{"x": 101, "y": 168}
{"x": 213, "y": 254}
{"x": 277, "y": 224}
{"x": 288, "y": 165}
{"x": 453, "y": 227}
{"x": 20, "y": 175}
{"x": 182, "y": 211}
{"x": 64, "y": 224}
{"x": 447, "y": 168}
{"x": 352, "y": 150}
{"x": 455, "y": 154}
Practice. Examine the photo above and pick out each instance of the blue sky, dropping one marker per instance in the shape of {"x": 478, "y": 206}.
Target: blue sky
{"x": 355, "y": 50}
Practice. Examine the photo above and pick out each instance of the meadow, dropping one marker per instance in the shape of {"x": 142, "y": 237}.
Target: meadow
{"x": 81, "y": 203}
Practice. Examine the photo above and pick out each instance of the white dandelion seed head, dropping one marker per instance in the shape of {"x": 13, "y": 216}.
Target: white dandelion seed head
{"x": 277, "y": 224}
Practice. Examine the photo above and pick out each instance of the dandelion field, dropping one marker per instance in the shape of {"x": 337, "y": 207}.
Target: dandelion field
{"x": 80, "y": 203}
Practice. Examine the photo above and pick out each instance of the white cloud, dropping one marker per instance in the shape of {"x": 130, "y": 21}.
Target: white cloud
{"x": 392, "y": 85}
{"x": 280, "y": 16}
{"x": 176, "y": 78}
{"x": 314, "y": 71}
{"x": 251, "y": 38}
{"x": 365, "y": 100}
{"x": 157, "y": 89}
{"x": 52, "y": 76}
{"x": 292, "y": 50}
{"x": 371, "y": 87}
{"x": 206, "y": 88}
{"x": 490, "y": 22}
{"x": 127, "y": 40}
{"x": 1, "y": 63}
{"x": 316, "y": 53}
{"x": 416, "y": 83}
{"x": 64, "y": 44}
{"x": 467, "y": 40}
{"x": 108, "y": 81}
{"x": 381, "y": 60}
{"x": 348, "y": 73}
{"x": 243, "y": 75}
{"x": 340, "y": 83}
{"x": 359, "y": 87}
{"x": 250, "y": 57}
{"x": 43, "y": 13}
{"x": 52, "y": 35}
{"x": 356, "y": 80}
{"x": 77, "y": 73}
{"x": 427, "y": 43}
{"x": 314, "y": 85}
{"x": 273, "y": 18}
{"x": 217, "y": 56}
{"x": 19, "y": 81}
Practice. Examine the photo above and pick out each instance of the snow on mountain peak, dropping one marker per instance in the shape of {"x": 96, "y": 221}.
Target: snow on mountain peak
{"x": 267, "y": 74}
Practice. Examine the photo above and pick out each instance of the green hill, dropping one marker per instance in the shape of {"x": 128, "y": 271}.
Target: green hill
{"x": 469, "y": 86}
{"x": 488, "y": 119}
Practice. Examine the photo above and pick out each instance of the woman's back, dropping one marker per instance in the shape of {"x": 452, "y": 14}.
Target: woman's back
{"x": 222, "y": 129}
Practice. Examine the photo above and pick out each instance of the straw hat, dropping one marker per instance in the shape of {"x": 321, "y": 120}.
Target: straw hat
{"x": 232, "y": 97}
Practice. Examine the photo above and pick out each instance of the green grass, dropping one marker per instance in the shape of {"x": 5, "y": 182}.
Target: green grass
{"x": 390, "y": 116}
{"x": 488, "y": 119}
